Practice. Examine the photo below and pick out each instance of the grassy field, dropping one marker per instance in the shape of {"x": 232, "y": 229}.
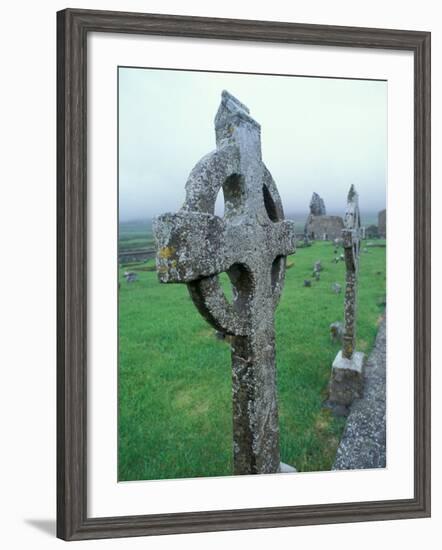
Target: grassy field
{"x": 175, "y": 376}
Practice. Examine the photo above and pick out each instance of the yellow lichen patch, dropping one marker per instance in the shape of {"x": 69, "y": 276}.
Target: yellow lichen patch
{"x": 166, "y": 252}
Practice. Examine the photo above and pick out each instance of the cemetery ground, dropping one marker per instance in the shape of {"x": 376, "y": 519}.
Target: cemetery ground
{"x": 175, "y": 403}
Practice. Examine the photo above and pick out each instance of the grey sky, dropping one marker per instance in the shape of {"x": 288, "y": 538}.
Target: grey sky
{"x": 318, "y": 135}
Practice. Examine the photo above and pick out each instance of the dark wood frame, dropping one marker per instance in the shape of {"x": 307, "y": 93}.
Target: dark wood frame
{"x": 73, "y": 27}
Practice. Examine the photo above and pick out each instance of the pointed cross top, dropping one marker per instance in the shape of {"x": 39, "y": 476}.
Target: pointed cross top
{"x": 231, "y": 116}
{"x": 351, "y": 233}
{"x": 352, "y": 216}
{"x": 352, "y": 195}
{"x": 230, "y": 101}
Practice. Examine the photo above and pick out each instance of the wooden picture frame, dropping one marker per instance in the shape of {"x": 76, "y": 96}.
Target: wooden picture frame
{"x": 73, "y": 27}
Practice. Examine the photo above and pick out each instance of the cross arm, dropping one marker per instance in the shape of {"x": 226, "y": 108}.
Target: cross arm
{"x": 190, "y": 246}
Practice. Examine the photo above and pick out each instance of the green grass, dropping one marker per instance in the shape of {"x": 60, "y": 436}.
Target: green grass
{"x": 175, "y": 376}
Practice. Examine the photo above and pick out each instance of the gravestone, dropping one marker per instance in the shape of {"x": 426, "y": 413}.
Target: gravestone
{"x": 336, "y": 288}
{"x": 336, "y": 331}
{"x": 346, "y": 378}
{"x": 317, "y": 267}
{"x": 130, "y": 276}
{"x": 250, "y": 243}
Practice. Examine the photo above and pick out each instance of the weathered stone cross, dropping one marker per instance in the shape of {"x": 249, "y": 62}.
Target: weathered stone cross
{"x": 346, "y": 380}
{"x": 351, "y": 236}
{"x": 250, "y": 243}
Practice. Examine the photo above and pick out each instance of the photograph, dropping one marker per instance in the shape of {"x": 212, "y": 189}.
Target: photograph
{"x": 251, "y": 273}
{"x": 220, "y": 335}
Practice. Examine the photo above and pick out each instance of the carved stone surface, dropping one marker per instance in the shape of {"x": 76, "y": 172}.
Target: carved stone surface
{"x": 250, "y": 243}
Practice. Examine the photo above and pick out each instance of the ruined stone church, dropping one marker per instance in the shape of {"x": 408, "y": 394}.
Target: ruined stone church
{"x": 319, "y": 226}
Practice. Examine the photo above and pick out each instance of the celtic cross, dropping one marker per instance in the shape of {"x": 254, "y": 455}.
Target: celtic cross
{"x": 351, "y": 235}
{"x": 250, "y": 243}
{"x": 347, "y": 377}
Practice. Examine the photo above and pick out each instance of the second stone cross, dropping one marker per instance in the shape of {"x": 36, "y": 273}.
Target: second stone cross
{"x": 250, "y": 243}
{"x": 347, "y": 370}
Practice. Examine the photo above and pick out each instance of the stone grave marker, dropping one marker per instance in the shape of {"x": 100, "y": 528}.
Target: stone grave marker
{"x": 336, "y": 288}
{"x": 336, "y": 331}
{"x": 317, "y": 266}
{"x": 130, "y": 276}
{"x": 250, "y": 243}
{"x": 346, "y": 378}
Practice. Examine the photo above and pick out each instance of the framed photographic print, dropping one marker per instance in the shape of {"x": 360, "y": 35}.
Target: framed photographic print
{"x": 243, "y": 274}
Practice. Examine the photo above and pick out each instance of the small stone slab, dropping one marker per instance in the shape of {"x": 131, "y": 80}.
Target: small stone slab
{"x": 355, "y": 363}
{"x": 286, "y": 468}
{"x": 346, "y": 379}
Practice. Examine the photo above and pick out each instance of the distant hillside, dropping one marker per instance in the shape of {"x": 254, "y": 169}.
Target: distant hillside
{"x": 137, "y": 234}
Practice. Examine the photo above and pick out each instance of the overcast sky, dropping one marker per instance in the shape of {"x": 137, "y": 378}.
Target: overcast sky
{"x": 318, "y": 134}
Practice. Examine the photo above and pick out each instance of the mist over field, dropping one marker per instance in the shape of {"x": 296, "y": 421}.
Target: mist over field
{"x": 317, "y": 134}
